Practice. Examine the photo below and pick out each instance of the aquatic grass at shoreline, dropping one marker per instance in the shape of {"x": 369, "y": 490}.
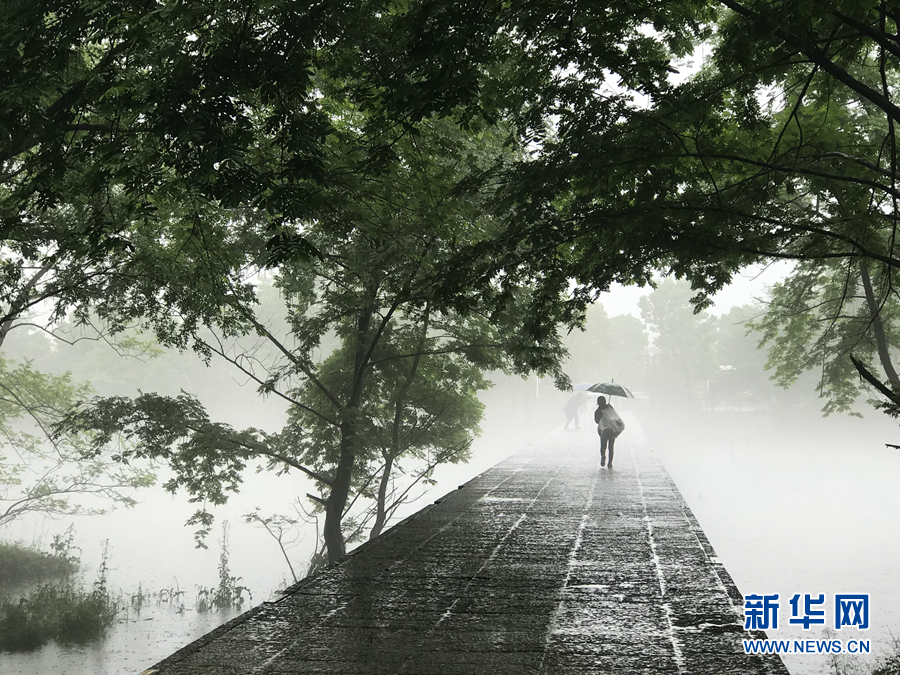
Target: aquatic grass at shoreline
{"x": 59, "y": 611}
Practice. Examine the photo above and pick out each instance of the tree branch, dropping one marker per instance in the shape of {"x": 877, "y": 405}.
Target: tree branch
{"x": 822, "y": 60}
{"x": 864, "y": 372}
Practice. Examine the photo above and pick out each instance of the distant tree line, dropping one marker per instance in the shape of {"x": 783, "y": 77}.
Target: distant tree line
{"x": 679, "y": 359}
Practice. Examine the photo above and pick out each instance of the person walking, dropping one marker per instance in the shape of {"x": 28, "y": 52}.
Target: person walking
{"x": 573, "y": 405}
{"x": 609, "y": 426}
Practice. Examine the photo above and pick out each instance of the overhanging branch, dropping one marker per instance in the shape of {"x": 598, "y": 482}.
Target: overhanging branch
{"x": 864, "y": 372}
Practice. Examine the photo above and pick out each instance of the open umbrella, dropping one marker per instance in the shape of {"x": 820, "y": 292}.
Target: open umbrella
{"x": 610, "y": 389}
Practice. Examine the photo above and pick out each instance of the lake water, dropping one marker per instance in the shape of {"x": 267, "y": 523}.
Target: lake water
{"x": 796, "y": 504}
{"x": 791, "y": 505}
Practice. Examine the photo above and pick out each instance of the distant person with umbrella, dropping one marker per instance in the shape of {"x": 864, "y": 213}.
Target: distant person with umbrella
{"x": 571, "y": 408}
{"x": 609, "y": 426}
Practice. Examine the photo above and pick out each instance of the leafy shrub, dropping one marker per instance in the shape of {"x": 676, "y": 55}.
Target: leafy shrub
{"x": 889, "y": 665}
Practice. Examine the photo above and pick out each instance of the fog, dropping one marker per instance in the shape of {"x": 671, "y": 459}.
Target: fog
{"x": 791, "y": 501}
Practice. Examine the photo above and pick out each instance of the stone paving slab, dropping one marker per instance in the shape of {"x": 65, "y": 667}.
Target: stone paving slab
{"x": 546, "y": 564}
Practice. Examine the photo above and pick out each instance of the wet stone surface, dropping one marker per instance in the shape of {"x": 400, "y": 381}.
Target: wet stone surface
{"x": 546, "y": 564}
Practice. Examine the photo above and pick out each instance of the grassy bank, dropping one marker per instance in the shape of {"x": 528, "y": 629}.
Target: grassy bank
{"x": 21, "y": 564}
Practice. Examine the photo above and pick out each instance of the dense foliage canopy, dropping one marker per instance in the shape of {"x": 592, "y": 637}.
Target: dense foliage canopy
{"x": 438, "y": 179}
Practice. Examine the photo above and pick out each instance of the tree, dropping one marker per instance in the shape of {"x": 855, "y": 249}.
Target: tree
{"x": 630, "y": 173}
{"x": 418, "y": 406}
{"x": 167, "y": 140}
{"x": 684, "y": 341}
{"x": 102, "y": 111}
{"x": 829, "y": 163}
{"x": 404, "y": 378}
{"x": 742, "y": 379}
{"x": 836, "y": 166}
{"x": 401, "y": 383}
{"x": 296, "y": 137}
{"x": 193, "y": 109}
{"x": 608, "y": 348}
{"x": 833, "y": 319}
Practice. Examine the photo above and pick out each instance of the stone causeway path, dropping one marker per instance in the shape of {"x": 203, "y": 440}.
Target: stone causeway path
{"x": 545, "y": 564}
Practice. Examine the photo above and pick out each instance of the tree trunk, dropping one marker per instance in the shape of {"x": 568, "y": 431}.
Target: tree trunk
{"x": 380, "y": 510}
{"x": 884, "y": 354}
{"x": 337, "y": 498}
{"x": 343, "y": 477}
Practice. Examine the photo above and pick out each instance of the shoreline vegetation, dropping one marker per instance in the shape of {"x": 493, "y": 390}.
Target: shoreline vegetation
{"x": 43, "y": 599}
{"x": 63, "y": 612}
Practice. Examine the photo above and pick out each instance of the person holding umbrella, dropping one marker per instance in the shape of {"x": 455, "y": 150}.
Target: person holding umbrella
{"x": 609, "y": 426}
